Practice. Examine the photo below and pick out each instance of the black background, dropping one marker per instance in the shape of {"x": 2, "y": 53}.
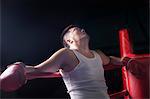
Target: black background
{"x": 30, "y": 32}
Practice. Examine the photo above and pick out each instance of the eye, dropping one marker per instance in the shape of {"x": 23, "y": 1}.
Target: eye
{"x": 74, "y": 29}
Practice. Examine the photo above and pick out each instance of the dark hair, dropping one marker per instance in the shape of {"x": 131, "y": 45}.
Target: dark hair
{"x": 64, "y": 32}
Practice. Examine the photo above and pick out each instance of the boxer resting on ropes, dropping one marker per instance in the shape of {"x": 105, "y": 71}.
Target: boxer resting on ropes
{"x": 82, "y": 69}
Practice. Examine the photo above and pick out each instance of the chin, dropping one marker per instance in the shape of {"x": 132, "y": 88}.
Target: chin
{"x": 84, "y": 36}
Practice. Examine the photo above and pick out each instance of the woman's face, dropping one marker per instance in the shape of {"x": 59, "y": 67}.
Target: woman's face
{"x": 76, "y": 34}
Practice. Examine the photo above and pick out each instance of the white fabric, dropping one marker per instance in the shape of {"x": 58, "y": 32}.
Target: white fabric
{"x": 87, "y": 80}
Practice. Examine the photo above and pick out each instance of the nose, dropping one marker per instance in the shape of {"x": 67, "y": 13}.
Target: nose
{"x": 82, "y": 30}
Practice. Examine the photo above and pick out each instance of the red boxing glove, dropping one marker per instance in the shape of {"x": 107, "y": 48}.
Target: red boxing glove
{"x": 13, "y": 77}
{"x": 126, "y": 60}
{"x": 134, "y": 66}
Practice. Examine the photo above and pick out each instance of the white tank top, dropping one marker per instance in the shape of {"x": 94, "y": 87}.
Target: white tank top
{"x": 86, "y": 80}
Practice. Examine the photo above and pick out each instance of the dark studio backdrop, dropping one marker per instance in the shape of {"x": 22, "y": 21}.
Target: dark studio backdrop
{"x": 30, "y": 32}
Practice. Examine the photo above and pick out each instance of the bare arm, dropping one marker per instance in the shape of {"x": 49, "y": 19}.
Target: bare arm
{"x": 48, "y": 67}
{"x": 110, "y": 62}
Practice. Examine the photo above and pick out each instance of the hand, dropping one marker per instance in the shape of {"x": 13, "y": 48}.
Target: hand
{"x": 125, "y": 60}
{"x": 133, "y": 66}
{"x": 136, "y": 68}
{"x": 23, "y": 65}
{"x": 17, "y": 63}
{"x": 20, "y": 64}
{"x": 13, "y": 77}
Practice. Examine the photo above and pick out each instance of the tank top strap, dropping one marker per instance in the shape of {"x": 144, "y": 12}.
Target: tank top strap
{"x": 77, "y": 55}
{"x": 97, "y": 55}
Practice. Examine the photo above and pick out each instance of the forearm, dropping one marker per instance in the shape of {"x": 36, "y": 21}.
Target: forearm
{"x": 115, "y": 62}
{"x": 32, "y": 72}
{"x": 29, "y": 69}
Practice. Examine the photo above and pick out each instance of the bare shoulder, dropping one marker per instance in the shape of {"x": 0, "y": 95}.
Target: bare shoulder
{"x": 64, "y": 53}
{"x": 99, "y": 52}
{"x": 61, "y": 51}
{"x": 104, "y": 57}
{"x": 60, "y": 55}
{"x": 67, "y": 53}
{"x": 69, "y": 59}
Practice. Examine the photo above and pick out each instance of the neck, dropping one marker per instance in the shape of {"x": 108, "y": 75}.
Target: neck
{"x": 81, "y": 46}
